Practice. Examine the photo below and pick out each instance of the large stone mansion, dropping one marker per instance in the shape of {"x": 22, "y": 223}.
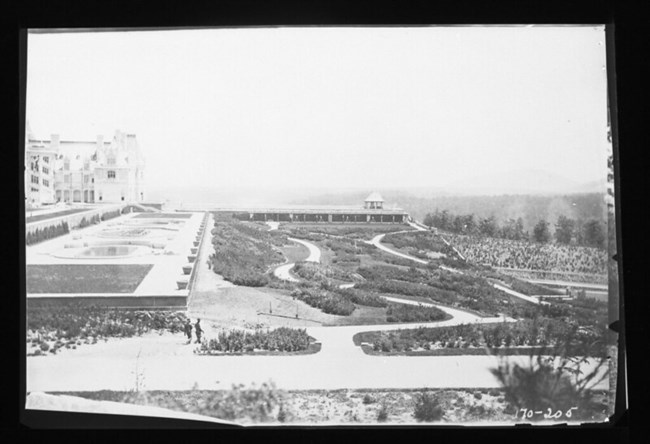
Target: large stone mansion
{"x": 110, "y": 171}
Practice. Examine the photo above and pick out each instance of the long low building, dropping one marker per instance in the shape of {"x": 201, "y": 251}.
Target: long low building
{"x": 371, "y": 212}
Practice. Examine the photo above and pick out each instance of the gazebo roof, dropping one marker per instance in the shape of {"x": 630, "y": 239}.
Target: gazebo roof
{"x": 374, "y": 197}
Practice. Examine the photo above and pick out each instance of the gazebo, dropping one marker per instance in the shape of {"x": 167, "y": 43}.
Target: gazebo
{"x": 374, "y": 202}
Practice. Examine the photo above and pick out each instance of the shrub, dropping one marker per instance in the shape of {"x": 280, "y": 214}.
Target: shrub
{"x": 282, "y": 415}
{"x": 367, "y": 399}
{"x": 554, "y": 379}
{"x": 382, "y": 414}
{"x": 361, "y": 297}
{"x": 44, "y": 346}
{"x": 427, "y": 408}
{"x": 256, "y": 404}
{"x": 50, "y": 232}
{"x": 325, "y": 300}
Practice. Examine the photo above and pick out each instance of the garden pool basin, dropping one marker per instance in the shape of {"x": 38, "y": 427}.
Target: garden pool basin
{"x": 103, "y": 252}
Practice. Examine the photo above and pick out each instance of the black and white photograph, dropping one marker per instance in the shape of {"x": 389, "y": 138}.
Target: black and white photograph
{"x": 322, "y": 225}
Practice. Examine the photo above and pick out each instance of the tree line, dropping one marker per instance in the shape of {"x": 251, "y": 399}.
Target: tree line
{"x": 567, "y": 231}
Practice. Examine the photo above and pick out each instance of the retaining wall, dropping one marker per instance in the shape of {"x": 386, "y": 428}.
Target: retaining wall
{"x": 177, "y": 302}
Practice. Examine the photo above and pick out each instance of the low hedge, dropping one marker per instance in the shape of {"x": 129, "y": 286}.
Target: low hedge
{"x": 282, "y": 339}
{"x": 50, "y": 232}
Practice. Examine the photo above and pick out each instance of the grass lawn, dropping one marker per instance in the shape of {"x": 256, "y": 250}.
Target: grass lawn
{"x": 53, "y": 215}
{"x": 85, "y": 278}
{"x": 163, "y": 216}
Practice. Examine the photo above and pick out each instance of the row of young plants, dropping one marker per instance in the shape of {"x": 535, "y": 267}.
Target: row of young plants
{"x": 50, "y": 232}
{"x": 243, "y": 254}
{"x": 56, "y": 327}
{"x": 316, "y": 272}
{"x": 418, "y": 243}
{"x": 261, "y": 233}
{"x": 542, "y": 332}
{"x": 94, "y": 220}
{"x": 282, "y": 339}
{"x": 111, "y": 215}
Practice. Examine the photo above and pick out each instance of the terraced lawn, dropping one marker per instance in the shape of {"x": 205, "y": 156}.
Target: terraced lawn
{"x": 85, "y": 278}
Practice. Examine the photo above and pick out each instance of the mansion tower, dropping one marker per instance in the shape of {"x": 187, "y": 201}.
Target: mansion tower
{"x": 83, "y": 172}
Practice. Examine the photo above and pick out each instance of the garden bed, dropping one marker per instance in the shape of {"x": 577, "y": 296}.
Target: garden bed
{"x": 500, "y": 338}
{"x": 85, "y": 278}
{"x": 70, "y": 327}
{"x": 244, "y": 252}
{"x": 281, "y": 341}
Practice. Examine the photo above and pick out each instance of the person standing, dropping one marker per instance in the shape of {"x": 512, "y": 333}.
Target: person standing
{"x": 188, "y": 330}
{"x": 198, "y": 331}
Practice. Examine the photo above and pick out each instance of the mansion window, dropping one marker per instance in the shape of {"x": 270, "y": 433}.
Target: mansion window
{"x": 86, "y": 178}
{"x": 46, "y": 183}
{"x": 34, "y": 190}
{"x": 66, "y": 165}
{"x": 46, "y": 170}
{"x": 111, "y": 174}
{"x": 46, "y": 159}
{"x": 66, "y": 178}
{"x": 110, "y": 160}
{"x": 35, "y": 179}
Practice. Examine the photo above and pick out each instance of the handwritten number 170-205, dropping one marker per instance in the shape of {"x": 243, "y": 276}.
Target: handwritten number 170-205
{"x": 549, "y": 414}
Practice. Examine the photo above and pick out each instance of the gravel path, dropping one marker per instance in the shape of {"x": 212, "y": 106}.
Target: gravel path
{"x": 283, "y": 271}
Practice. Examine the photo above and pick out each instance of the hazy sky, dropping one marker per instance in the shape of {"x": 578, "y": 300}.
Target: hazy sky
{"x": 357, "y": 107}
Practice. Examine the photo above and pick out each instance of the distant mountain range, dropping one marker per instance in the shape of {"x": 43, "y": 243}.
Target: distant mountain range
{"x": 529, "y": 181}
{"x": 515, "y": 183}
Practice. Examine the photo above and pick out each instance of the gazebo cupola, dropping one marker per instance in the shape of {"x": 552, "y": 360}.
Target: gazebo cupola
{"x": 374, "y": 202}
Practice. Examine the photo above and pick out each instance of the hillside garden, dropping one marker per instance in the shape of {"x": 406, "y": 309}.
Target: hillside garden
{"x": 245, "y": 252}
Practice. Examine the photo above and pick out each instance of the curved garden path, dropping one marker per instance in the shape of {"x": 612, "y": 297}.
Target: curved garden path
{"x": 283, "y": 271}
{"x": 376, "y": 241}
